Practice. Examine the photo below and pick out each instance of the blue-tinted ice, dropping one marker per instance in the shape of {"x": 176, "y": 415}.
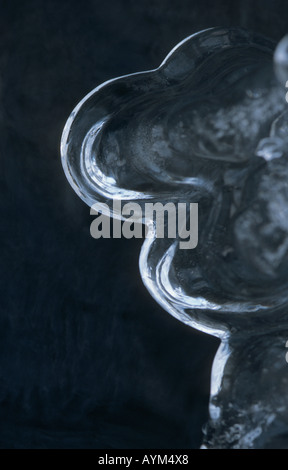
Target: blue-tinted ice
{"x": 208, "y": 126}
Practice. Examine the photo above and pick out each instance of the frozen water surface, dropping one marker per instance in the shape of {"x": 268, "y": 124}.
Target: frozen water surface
{"x": 208, "y": 126}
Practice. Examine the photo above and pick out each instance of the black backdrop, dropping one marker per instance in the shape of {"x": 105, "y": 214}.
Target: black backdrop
{"x": 88, "y": 359}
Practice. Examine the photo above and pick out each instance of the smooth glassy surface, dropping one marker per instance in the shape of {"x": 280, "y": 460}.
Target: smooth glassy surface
{"x": 208, "y": 126}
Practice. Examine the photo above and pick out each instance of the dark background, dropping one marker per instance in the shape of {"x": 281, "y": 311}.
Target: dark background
{"x": 87, "y": 358}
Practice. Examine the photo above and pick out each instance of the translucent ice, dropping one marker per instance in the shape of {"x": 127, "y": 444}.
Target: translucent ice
{"x": 208, "y": 126}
